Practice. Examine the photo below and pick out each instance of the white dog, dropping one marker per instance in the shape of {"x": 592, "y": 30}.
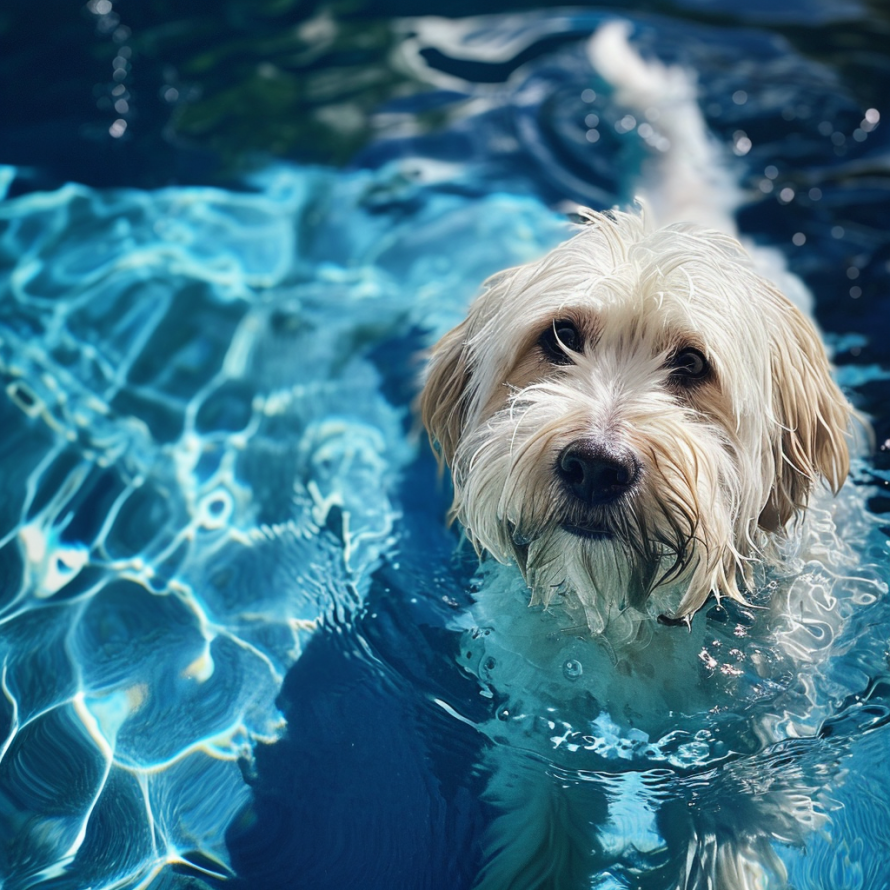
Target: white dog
{"x": 635, "y": 421}
{"x": 628, "y": 418}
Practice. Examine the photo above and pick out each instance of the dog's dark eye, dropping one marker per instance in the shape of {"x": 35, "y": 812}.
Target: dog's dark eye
{"x": 559, "y": 339}
{"x": 688, "y": 366}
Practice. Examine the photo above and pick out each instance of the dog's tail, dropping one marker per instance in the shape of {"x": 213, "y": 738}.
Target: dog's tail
{"x": 688, "y": 177}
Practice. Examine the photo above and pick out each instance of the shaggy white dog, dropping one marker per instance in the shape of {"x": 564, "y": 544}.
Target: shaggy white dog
{"x": 635, "y": 421}
{"x": 627, "y": 417}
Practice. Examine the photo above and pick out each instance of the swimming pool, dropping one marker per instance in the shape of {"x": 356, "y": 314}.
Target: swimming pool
{"x": 231, "y": 605}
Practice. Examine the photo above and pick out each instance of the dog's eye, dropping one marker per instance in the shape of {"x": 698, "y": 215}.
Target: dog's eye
{"x": 688, "y": 366}
{"x": 559, "y": 339}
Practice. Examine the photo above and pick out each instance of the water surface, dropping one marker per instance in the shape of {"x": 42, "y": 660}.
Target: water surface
{"x": 230, "y": 603}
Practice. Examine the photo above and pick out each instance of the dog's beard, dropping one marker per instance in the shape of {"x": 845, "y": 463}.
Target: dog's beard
{"x": 673, "y": 535}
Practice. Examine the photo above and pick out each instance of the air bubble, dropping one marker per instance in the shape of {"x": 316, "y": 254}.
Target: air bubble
{"x": 24, "y": 398}
{"x": 572, "y": 669}
{"x": 215, "y": 510}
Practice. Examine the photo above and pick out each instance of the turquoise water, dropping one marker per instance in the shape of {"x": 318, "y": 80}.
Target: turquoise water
{"x": 231, "y": 612}
{"x": 204, "y": 474}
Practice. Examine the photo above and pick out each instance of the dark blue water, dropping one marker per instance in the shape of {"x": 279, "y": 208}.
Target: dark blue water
{"x": 230, "y": 604}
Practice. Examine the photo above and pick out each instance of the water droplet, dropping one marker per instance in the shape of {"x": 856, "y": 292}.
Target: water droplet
{"x": 572, "y": 669}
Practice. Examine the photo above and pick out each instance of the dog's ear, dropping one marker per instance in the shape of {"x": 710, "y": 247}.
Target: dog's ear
{"x": 443, "y": 400}
{"x": 812, "y": 414}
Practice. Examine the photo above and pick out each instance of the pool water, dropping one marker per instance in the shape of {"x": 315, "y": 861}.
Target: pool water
{"x": 231, "y": 611}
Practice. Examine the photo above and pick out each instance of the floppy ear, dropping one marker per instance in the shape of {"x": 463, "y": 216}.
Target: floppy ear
{"x": 443, "y": 400}
{"x": 813, "y": 415}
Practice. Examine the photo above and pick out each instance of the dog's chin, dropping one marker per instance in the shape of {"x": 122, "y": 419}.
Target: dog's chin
{"x": 588, "y": 532}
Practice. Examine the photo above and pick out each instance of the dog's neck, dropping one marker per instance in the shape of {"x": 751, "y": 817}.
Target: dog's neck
{"x": 531, "y": 653}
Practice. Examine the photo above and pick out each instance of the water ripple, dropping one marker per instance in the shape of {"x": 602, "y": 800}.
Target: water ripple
{"x": 199, "y": 463}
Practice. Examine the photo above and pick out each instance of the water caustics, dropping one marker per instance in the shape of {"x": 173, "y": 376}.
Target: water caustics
{"x": 198, "y": 468}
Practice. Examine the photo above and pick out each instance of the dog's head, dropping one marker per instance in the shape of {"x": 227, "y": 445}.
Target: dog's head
{"x": 635, "y": 412}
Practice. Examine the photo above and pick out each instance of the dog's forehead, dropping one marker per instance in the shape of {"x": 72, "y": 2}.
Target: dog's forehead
{"x": 672, "y": 280}
{"x": 635, "y": 294}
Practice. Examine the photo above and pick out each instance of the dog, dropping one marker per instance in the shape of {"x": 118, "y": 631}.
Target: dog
{"x": 630, "y": 418}
{"x": 639, "y": 422}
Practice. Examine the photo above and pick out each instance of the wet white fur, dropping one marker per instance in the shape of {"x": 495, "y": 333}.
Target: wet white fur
{"x": 742, "y": 462}
{"x": 712, "y": 473}
{"x": 725, "y": 466}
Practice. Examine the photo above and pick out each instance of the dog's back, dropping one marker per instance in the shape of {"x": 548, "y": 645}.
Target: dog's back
{"x": 688, "y": 176}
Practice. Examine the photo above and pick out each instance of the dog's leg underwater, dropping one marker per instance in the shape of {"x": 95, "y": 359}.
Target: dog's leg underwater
{"x": 541, "y": 838}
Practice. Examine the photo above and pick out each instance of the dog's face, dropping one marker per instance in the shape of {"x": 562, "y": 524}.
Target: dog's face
{"x": 635, "y": 412}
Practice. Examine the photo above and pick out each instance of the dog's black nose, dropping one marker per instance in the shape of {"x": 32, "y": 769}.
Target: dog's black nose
{"x": 595, "y": 473}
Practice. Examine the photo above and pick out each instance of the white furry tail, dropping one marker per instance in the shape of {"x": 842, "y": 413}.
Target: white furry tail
{"x": 689, "y": 177}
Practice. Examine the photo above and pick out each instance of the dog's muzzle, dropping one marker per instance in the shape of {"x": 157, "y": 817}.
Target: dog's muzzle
{"x": 596, "y": 475}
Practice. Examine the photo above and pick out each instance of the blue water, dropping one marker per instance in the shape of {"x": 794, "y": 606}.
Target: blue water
{"x": 230, "y": 606}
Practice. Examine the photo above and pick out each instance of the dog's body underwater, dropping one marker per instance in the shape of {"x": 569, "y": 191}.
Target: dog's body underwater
{"x": 636, "y": 421}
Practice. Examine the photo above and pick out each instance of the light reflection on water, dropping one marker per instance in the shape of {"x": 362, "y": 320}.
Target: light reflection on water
{"x": 203, "y": 464}
{"x": 199, "y": 472}
{"x": 747, "y": 748}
